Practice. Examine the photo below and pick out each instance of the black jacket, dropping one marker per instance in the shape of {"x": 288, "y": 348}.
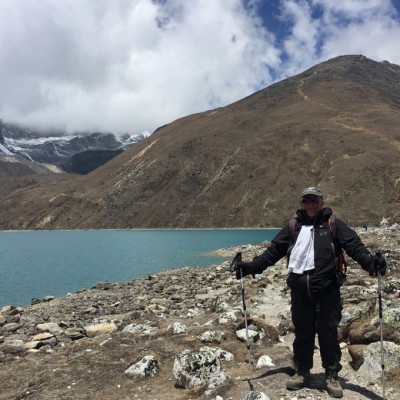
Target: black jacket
{"x": 325, "y": 251}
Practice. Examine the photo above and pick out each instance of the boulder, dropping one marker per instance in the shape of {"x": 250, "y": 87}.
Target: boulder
{"x": 354, "y": 313}
{"x": 12, "y": 327}
{"x": 13, "y": 347}
{"x": 223, "y": 355}
{"x": 140, "y": 329}
{"x": 51, "y": 327}
{"x": 147, "y": 367}
{"x": 371, "y": 368}
{"x": 356, "y": 352}
{"x": 252, "y": 334}
{"x": 212, "y": 336}
{"x": 75, "y": 333}
{"x": 391, "y": 316}
{"x": 177, "y": 328}
{"x": 216, "y": 380}
{"x": 195, "y": 368}
{"x": 226, "y": 317}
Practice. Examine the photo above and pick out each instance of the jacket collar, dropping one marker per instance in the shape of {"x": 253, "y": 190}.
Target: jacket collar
{"x": 322, "y": 216}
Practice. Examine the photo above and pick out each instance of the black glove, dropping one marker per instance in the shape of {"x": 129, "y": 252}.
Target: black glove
{"x": 246, "y": 267}
{"x": 377, "y": 264}
{"x": 256, "y": 266}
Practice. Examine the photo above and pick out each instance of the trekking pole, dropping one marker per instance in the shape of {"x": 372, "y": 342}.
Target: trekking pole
{"x": 237, "y": 258}
{"x": 381, "y": 325}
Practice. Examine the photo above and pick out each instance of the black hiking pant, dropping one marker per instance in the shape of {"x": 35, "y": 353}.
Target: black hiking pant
{"x": 315, "y": 313}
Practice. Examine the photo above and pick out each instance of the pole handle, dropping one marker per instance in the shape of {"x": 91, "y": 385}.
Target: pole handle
{"x": 236, "y": 259}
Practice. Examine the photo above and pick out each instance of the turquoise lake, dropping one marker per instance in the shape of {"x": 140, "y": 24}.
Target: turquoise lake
{"x": 34, "y": 264}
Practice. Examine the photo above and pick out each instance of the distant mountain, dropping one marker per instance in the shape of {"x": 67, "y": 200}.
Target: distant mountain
{"x": 58, "y": 149}
{"x": 89, "y": 160}
{"x": 335, "y": 126}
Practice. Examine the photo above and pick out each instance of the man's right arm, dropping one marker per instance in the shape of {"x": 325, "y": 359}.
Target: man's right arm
{"x": 275, "y": 251}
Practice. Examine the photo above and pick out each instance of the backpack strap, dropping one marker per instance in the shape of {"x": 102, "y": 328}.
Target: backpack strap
{"x": 332, "y": 225}
{"x": 292, "y": 225}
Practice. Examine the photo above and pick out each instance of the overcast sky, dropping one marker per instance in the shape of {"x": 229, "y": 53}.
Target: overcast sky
{"x": 133, "y": 65}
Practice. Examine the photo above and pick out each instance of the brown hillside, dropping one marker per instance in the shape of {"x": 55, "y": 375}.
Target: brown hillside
{"x": 335, "y": 125}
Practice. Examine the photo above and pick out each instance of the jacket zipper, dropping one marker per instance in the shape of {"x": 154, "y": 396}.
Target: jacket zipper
{"x": 308, "y": 275}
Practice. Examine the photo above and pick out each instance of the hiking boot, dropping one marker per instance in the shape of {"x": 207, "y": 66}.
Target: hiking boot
{"x": 332, "y": 384}
{"x": 298, "y": 380}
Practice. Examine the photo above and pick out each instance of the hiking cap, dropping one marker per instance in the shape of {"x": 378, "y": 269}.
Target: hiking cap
{"x": 312, "y": 190}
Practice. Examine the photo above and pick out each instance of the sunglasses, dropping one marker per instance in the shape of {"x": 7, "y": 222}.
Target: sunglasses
{"x": 312, "y": 200}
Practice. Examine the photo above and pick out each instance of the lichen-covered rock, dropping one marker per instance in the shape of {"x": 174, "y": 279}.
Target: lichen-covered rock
{"x": 140, "y": 329}
{"x": 371, "y": 367}
{"x": 212, "y": 336}
{"x": 195, "y": 367}
{"x": 353, "y": 313}
{"x": 390, "y": 315}
{"x": 177, "y": 328}
{"x": 226, "y": 317}
{"x": 223, "y": 355}
{"x": 216, "y": 380}
{"x": 147, "y": 367}
{"x": 256, "y": 396}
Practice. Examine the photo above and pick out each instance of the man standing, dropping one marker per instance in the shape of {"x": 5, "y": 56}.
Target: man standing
{"x": 312, "y": 242}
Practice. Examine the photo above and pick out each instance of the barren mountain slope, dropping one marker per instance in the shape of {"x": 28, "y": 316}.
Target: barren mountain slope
{"x": 335, "y": 126}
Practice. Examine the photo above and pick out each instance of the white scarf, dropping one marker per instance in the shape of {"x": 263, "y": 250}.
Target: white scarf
{"x": 302, "y": 255}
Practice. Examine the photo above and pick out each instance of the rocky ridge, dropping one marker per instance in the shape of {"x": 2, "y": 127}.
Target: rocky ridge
{"x": 179, "y": 334}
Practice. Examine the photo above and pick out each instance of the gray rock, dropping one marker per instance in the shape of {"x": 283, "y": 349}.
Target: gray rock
{"x": 371, "y": 368}
{"x": 253, "y": 335}
{"x": 177, "y": 328}
{"x": 223, "y": 355}
{"x": 226, "y": 317}
{"x": 140, "y": 329}
{"x": 216, "y": 380}
{"x": 256, "y": 396}
{"x": 390, "y": 315}
{"x": 147, "y": 367}
{"x": 194, "y": 368}
{"x": 51, "y": 327}
{"x": 12, "y": 327}
{"x": 264, "y": 361}
{"x": 75, "y": 333}
{"x": 13, "y": 347}
{"x": 212, "y": 336}
{"x": 353, "y": 313}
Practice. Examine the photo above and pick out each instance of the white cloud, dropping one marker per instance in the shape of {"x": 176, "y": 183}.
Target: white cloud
{"x": 128, "y": 66}
{"x": 323, "y": 29}
{"x": 301, "y": 45}
{"x": 133, "y": 65}
{"x": 368, "y": 27}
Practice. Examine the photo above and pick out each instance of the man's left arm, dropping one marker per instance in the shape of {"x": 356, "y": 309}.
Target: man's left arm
{"x": 355, "y": 248}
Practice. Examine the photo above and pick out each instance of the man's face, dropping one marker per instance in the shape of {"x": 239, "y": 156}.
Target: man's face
{"x": 312, "y": 204}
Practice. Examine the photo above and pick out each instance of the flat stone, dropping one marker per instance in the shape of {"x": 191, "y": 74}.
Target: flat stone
{"x": 100, "y": 329}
